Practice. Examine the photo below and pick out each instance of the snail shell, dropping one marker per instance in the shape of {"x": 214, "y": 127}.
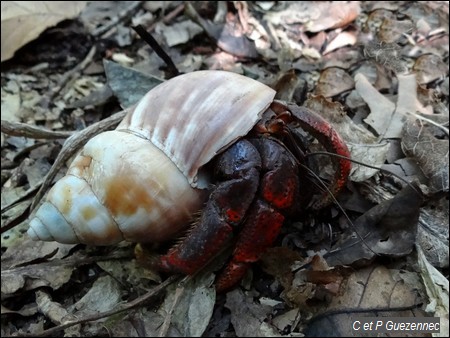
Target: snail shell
{"x": 141, "y": 182}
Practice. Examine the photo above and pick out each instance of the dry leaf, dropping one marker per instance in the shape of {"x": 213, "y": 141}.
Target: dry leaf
{"x": 335, "y": 14}
{"x": 180, "y": 32}
{"x": 249, "y": 318}
{"x": 190, "y": 306}
{"x": 23, "y": 21}
{"x": 388, "y": 229}
{"x": 334, "y": 81}
{"x": 430, "y": 67}
{"x": 364, "y": 294}
{"x": 342, "y": 39}
{"x": 430, "y": 152}
{"x": 437, "y": 287}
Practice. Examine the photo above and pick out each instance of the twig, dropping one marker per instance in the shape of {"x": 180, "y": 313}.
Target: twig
{"x": 423, "y": 118}
{"x": 147, "y": 37}
{"x": 169, "y": 17}
{"x": 168, "y": 319}
{"x": 26, "y": 130}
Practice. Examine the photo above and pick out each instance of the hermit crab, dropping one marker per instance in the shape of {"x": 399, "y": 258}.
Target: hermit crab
{"x": 209, "y": 141}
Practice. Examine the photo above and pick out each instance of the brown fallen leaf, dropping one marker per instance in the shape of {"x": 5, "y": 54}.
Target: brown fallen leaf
{"x": 392, "y": 30}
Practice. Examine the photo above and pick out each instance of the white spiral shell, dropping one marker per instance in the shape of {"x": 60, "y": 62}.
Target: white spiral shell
{"x": 141, "y": 182}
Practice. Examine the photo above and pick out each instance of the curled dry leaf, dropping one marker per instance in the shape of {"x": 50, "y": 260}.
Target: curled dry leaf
{"x": 56, "y": 312}
{"x": 437, "y": 287}
{"x": 342, "y": 39}
{"x": 23, "y": 21}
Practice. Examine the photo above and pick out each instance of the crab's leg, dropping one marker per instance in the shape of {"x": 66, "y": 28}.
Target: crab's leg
{"x": 279, "y": 189}
{"x": 327, "y": 136}
{"x": 237, "y": 173}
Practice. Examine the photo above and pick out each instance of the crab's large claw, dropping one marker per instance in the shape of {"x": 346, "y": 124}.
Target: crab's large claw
{"x": 332, "y": 142}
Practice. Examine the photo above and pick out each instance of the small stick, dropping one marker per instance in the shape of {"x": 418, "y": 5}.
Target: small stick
{"x": 26, "y": 130}
{"x": 147, "y": 37}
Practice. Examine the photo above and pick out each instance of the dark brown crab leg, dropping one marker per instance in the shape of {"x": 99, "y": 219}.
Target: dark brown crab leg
{"x": 241, "y": 204}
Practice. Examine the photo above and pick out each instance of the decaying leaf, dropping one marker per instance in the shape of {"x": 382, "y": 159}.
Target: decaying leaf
{"x": 429, "y": 67}
{"x": 430, "y": 152}
{"x": 189, "y": 307}
{"x": 365, "y": 293}
{"x": 248, "y": 317}
{"x": 23, "y": 21}
{"x": 333, "y": 81}
{"x": 389, "y": 229}
{"x": 392, "y": 30}
{"x": 433, "y": 232}
{"x": 437, "y": 287}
